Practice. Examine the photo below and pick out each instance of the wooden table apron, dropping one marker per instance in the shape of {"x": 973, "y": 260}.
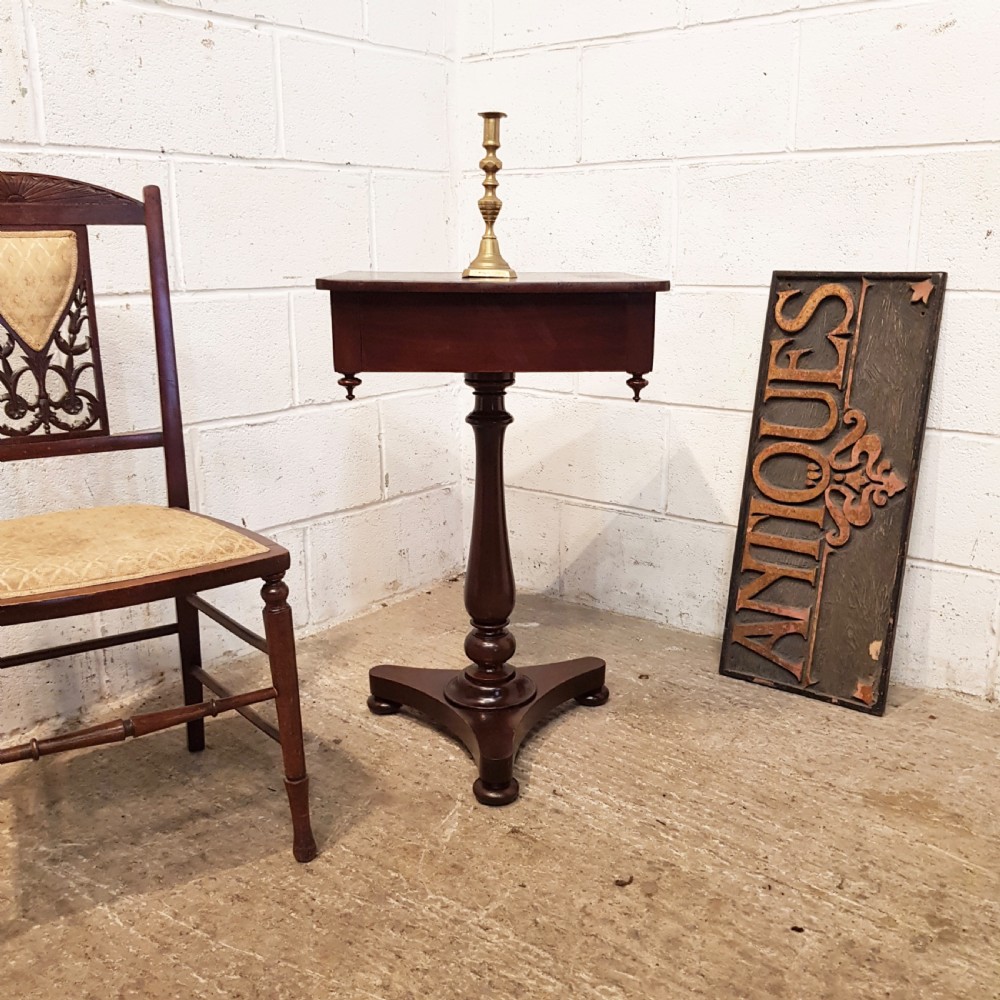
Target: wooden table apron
{"x": 490, "y": 329}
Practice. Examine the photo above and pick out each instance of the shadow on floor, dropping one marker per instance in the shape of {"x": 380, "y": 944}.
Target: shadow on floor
{"x": 81, "y": 830}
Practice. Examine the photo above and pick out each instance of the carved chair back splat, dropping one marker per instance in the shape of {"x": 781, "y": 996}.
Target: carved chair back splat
{"x": 52, "y": 403}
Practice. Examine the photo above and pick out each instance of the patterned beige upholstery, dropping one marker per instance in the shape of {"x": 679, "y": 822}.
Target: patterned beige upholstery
{"x": 37, "y": 277}
{"x": 45, "y": 553}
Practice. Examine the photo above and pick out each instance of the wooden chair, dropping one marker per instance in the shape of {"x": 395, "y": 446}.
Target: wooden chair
{"x": 74, "y": 562}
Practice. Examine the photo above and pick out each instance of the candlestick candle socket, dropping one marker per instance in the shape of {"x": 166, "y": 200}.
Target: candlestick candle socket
{"x": 489, "y": 262}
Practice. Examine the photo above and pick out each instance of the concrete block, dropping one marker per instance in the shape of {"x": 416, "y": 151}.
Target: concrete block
{"x": 128, "y": 357}
{"x": 36, "y": 635}
{"x": 473, "y": 30}
{"x": 251, "y": 227}
{"x": 383, "y": 383}
{"x": 708, "y": 346}
{"x": 676, "y": 572}
{"x": 117, "y": 253}
{"x": 945, "y": 638}
{"x": 401, "y": 123}
{"x": 706, "y": 461}
{"x": 936, "y": 68}
{"x": 701, "y": 11}
{"x": 299, "y": 465}
{"x": 220, "y": 98}
{"x": 219, "y": 377}
{"x": 233, "y": 358}
{"x": 61, "y": 689}
{"x": 707, "y": 350}
{"x": 358, "y": 559}
{"x": 426, "y": 27}
{"x": 51, "y": 484}
{"x": 419, "y": 445}
{"x": 411, "y": 216}
{"x": 547, "y": 381}
{"x": 533, "y": 527}
{"x": 957, "y": 499}
{"x": 595, "y": 451}
{"x": 17, "y": 106}
{"x": 533, "y": 531}
{"x": 316, "y": 379}
{"x": 539, "y": 92}
{"x": 467, "y": 458}
{"x": 611, "y": 385}
{"x": 233, "y": 355}
{"x": 345, "y": 17}
{"x": 966, "y": 391}
{"x": 123, "y": 671}
{"x": 739, "y": 222}
{"x": 699, "y": 93}
{"x": 960, "y": 219}
{"x": 577, "y": 220}
{"x": 521, "y": 25}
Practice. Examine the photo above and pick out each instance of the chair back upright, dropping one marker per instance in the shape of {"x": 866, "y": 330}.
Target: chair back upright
{"x": 52, "y": 394}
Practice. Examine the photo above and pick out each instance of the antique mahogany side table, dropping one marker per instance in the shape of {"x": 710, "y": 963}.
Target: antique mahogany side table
{"x": 490, "y": 329}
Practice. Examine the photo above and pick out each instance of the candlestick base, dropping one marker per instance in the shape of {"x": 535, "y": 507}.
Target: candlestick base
{"x": 489, "y": 262}
{"x": 480, "y": 272}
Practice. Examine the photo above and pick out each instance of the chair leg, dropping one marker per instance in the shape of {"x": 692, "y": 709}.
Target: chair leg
{"x": 190, "y": 644}
{"x": 284, "y": 676}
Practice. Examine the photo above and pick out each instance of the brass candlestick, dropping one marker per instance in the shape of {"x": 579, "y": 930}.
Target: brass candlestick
{"x": 489, "y": 262}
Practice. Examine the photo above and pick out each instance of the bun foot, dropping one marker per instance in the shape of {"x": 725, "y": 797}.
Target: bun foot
{"x": 379, "y": 706}
{"x": 594, "y": 698}
{"x": 305, "y": 851}
{"x": 501, "y": 796}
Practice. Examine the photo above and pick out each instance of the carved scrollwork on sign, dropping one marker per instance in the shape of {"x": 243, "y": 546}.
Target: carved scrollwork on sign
{"x": 859, "y": 480}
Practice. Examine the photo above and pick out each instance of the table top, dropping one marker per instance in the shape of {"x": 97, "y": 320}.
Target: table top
{"x": 447, "y": 281}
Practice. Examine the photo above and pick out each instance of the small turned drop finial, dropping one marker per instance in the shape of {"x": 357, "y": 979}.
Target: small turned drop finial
{"x": 636, "y": 383}
{"x": 350, "y": 382}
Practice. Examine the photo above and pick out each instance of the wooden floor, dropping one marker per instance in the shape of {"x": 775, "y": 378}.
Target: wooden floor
{"x": 695, "y": 837}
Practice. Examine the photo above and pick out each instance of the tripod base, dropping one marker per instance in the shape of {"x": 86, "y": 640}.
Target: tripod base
{"x": 493, "y": 736}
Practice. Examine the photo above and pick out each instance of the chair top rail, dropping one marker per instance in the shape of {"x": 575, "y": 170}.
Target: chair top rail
{"x": 28, "y": 199}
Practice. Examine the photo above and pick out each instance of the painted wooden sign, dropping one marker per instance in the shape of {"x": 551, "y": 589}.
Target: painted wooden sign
{"x": 838, "y": 422}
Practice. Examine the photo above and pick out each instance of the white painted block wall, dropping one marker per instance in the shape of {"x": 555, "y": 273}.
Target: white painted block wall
{"x": 711, "y": 142}
{"x": 291, "y": 138}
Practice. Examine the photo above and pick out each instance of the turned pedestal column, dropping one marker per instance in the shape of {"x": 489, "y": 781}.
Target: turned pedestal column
{"x": 490, "y": 706}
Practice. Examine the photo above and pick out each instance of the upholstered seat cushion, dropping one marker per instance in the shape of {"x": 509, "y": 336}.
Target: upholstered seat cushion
{"x": 68, "y": 549}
